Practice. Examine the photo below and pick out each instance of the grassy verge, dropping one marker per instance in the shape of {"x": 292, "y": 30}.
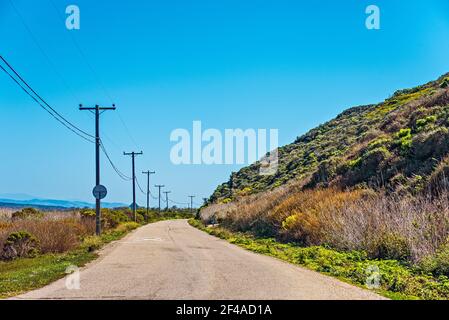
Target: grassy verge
{"x": 396, "y": 280}
{"x": 22, "y": 275}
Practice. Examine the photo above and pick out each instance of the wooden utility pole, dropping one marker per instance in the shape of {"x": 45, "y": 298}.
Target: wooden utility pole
{"x": 159, "y": 186}
{"x": 191, "y": 203}
{"x": 133, "y": 156}
{"x": 148, "y": 173}
{"x": 166, "y": 199}
{"x": 99, "y": 190}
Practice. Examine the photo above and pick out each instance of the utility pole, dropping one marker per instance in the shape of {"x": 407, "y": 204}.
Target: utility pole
{"x": 191, "y": 203}
{"x": 148, "y": 173}
{"x": 99, "y": 191}
{"x": 159, "y": 186}
{"x": 166, "y": 198}
{"x": 133, "y": 156}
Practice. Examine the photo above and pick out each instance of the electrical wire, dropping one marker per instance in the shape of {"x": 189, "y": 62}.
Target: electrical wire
{"x": 63, "y": 119}
{"x": 180, "y": 203}
{"x": 119, "y": 173}
{"x": 56, "y": 115}
{"x": 43, "y": 107}
{"x": 138, "y": 184}
{"x": 141, "y": 190}
{"x": 152, "y": 196}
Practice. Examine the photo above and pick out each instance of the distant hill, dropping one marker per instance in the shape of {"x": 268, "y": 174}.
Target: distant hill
{"x": 400, "y": 144}
{"x": 52, "y": 204}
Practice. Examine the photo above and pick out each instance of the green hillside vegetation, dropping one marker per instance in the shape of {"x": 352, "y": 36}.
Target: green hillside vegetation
{"x": 371, "y": 181}
{"x": 396, "y": 144}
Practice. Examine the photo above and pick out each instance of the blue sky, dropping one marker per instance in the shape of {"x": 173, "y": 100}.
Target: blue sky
{"x": 289, "y": 65}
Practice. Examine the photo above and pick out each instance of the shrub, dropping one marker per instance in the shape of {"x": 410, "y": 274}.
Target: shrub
{"x": 355, "y": 163}
{"x": 55, "y": 236}
{"x": 422, "y": 123}
{"x": 404, "y": 139}
{"x": 379, "y": 142}
{"x": 112, "y": 218}
{"x": 439, "y": 179}
{"x": 303, "y": 214}
{"x": 226, "y": 200}
{"x": 87, "y": 213}
{"x": 245, "y": 191}
{"x": 91, "y": 243}
{"x": 128, "y": 226}
{"x": 433, "y": 144}
{"x": 288, "y": 223}
{"x": 109, "y": 218}
{"x": 304, "y": 228}
{"x": 364, "y": 168}
{"x": 403, "y": 133}
{"x": 27, "y": 213}
{"x": 325, "y": 172}
{"x": 437, "y": 263}
{"x": 390, "y": 246}
{"x": 20, "y": 244}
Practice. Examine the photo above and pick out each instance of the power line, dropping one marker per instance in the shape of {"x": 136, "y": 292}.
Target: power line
{"x": 141, "y": 189}
{"x": 74, "y": 127}
{"x": 119, "y": 173}
{"x": 153, "y": 196}
{"x": 179, "y": 203}
{"x": 138, "y": 184}
{"x": 43, "y": 107}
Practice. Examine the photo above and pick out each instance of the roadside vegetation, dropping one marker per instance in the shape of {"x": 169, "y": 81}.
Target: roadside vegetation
{"x": 369, "y": 186}
{"x": 36, "y": 248}
{"x": 395, "y": 279}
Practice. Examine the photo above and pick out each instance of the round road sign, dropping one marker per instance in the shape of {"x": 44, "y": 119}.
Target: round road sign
{"x": 100, "y": 192}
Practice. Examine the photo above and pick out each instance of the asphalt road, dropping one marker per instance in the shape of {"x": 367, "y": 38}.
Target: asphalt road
{"x": 172, "y": 260}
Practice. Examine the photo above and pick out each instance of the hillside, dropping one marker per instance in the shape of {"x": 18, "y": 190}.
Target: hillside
{"x": 399, "y": 144}
{"x": 370, "y": 185}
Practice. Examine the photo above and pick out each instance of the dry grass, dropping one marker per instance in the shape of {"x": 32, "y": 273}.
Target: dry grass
{"x": 414, "y": 227}
{"x": 385, "y": 226}
{"x": 249, "y": 212}
{"x": 5, "y": 213}
{"x": 57, "y": 232}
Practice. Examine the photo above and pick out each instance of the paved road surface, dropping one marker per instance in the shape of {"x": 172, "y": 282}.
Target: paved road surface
{"x": 172, "y": 260}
